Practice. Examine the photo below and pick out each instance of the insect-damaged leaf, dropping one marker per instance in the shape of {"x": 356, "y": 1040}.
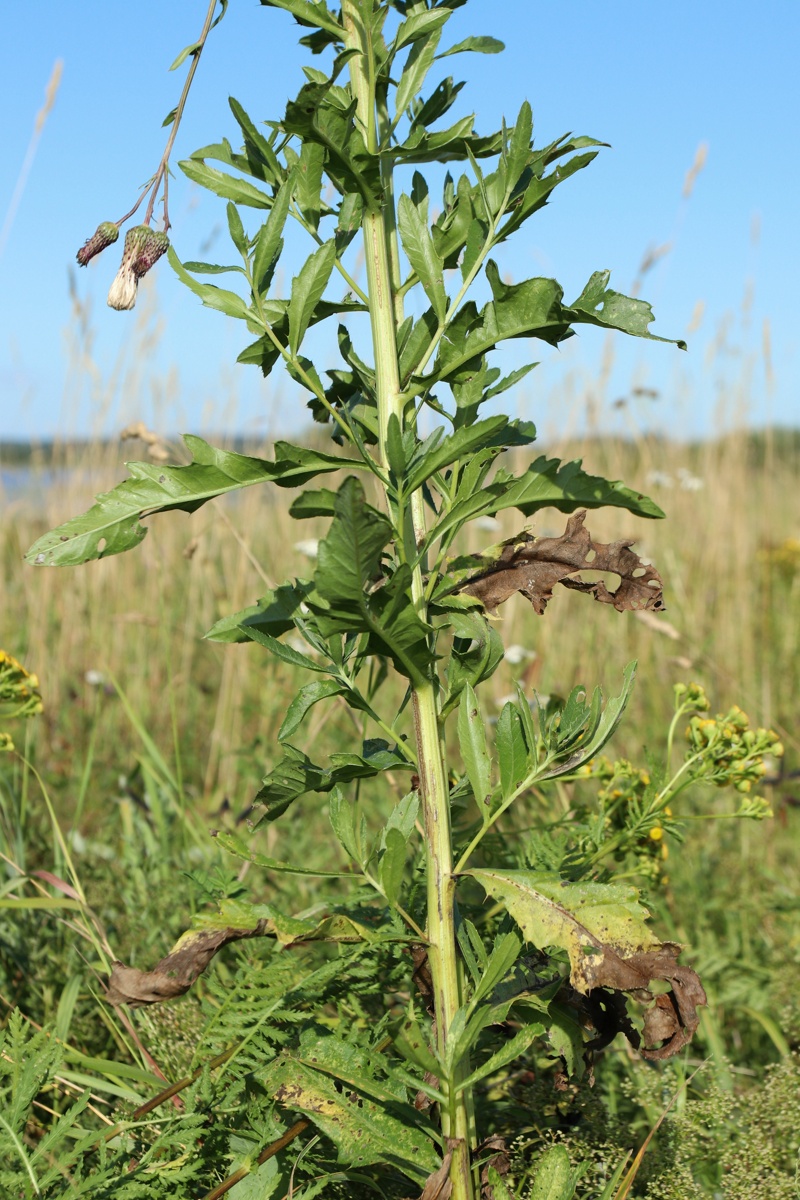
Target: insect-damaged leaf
{"x": 533, "y": 566}
{"x": 113, "y": 524}
{"x": 602, "y": 928}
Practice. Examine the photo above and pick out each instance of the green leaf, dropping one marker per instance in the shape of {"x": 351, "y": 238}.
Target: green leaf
{"x": 547, "y": 483}
{"x": 505, "y": 953}
{"x": 269, "y": 240}
{"x": 505, "y": 1055}
{"x": 234, "y": 845}
{"x": 184, "y": 54}
{"x": 236, "y": 229}
{"x": 491, "y": 433}
{"x": 519, "y": 147}
{"x": 309, "y": 12}
{"x": 421, "y": 254}
{"x": 307, "y": 289}
{"x": 600, "y": 728}
{"x": 113, "y": 523}
{"x": 318, "y": 503}
{"x": 348, "y": 565}
{"x": 392, "y": 865}
{"x": 585, "y": 919}
{"x": 554, "y": 1178}
{"x": 477, "y": 652}
{"x": 416, "y": 67}
{"x": 363, "y": 1133}
{"x": 419, "y": 23}
{"x": 599, "y": 305}
{"x": 261, "y": 160}
{"x": 309, "y": 182}
{"x": 213, "y": 297}
{"x": 285, "y": 653}
{"x": 224, "y": 185}
{"x": 274, "y": 614}
{"x": 342, "y": 816}
{"x": 306, "y": 698}
{"x": 412, "y": 1043}
{"x": 511, "y": 750}
{"x": 477, "y": 45}
{"x": 474, "y": 751}
{"x": 349, "y": 557}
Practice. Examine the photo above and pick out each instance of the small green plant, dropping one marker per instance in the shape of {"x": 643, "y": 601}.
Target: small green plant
{"x": 421, "y": 992}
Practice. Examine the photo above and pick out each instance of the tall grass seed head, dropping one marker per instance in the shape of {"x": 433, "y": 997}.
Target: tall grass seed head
{"x": 105, "y": 235}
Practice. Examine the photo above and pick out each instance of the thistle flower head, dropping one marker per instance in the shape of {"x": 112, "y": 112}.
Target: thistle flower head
{"x": 143, "y": 248}
{"x": 105, "y": 235}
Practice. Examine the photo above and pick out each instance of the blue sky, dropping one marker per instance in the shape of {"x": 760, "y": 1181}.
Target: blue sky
{"x": 654, "y": 80}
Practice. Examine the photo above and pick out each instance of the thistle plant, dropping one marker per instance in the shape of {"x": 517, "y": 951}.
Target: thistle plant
{"x": 399, "y": 618}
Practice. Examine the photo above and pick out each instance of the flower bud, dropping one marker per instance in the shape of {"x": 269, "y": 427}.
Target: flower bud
{"x": 105, "y": 235}
{"x": 143, "y": 248}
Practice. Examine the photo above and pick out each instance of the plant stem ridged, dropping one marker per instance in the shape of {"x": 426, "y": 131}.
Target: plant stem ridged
{"x": 380, "y": 255}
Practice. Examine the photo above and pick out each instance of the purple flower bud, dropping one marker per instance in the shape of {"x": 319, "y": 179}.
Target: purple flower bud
{"x": 105, "y": 235}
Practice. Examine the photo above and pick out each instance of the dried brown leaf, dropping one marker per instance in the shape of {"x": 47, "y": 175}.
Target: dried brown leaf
{"x": 176, "y": 973}
{"x": 672, "y": 1019}
{"x": 533, "y": 566}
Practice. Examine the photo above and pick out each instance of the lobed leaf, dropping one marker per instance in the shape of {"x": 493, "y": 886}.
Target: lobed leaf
{"x": 113, "y": 524}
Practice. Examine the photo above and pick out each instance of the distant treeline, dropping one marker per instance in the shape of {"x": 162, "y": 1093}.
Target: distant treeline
{"x": 785, "y": 444}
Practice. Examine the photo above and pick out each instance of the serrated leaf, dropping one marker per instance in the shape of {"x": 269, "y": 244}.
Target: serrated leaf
{"x": 599, "y": 305}
{"x": 413, "y": 1045}
{"x": 512, "y": 752}
{"x": 421, "y": 254}
{"x": 115, "y": 519}
{"x": 261, "y": 160}
{"x": 417, "y": 24}
{"x": 547, "y": 483}
{"x": 307, "y": 289}
{"x": 505, "y": 953}
{"x": 224, "y": 185}
{"x": 348, "y": 558}
{"x": 585, "y": 919}
{"x": 281, "y": 650}
{"x": 474, "y": 751}
{"x": 363, "y": 1132}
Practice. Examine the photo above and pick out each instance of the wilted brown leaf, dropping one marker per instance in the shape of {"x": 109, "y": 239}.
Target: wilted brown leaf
{"x": 499, "y": 1160}
{"x": 533, "y": 566}
{"x": 176, "y": 973}
{"x": 672, "y": 1019}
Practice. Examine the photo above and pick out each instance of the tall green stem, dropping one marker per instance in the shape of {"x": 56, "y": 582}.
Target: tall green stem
{"x": 382, "y": 265}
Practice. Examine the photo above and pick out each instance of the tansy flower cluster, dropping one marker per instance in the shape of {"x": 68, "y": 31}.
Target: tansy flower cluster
{"x": 19, "y": 694}
{"x": 728, "y": 752}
